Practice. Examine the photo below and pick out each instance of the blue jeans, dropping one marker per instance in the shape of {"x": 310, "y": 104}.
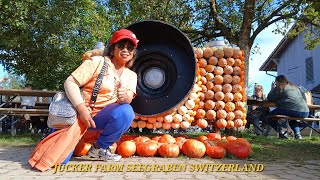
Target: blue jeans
{"x": 114, "y": 119}
{"x": 294, "y": 125}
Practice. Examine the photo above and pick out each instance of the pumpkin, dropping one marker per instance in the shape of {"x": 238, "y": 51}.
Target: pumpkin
{"x": 220, "y": 105}
{"x": 222, "y": 62}
{"x": 237, "y": 63}
{"x": 201, "y": 96}
{"x": 202, "y": 123}
{"x": 202, "y": 71}
{"x": 169, "y": 150}
{"x": 160, "y": 119}
{"x": 237, "y": 53}
{"x": 209, "y": 104}
{"x": 235, "y": 80}
{"x": 210, "y": 68}
{"x": 238, "y": 114}
{"x": 238, "y": 149}
{"x": 221, "y": 123}
{"x": 152, "y": 119}
{"x": 231, "y": 138}
{"x": 142, "y": 124}
{"x": 227, "y": 79}
{"x": 226, "y": 88}
{"x": 215, "y": 152}
{"x": 202, "y": 138}
{"x": 209, "y": 85}
{"x": 190, "y": 104}
{"x": 147, "y": 149}
{"x": 168, "y": 118}
{"x": 134, "y": 124}
{"x": 209, "y": 76}
{"x": 228, "y": 97}
{"x": 193, "y": 95}
{"x": 203, "y": 80}
{"x": 214, "y": 136}
{"x": 177, "y": 118}
{"x": 218, "y": 70}
{"x": 228, "y": 51}
{"x": 202, "y": 62}
{"x": 236, "y": 88}
{"x": 217, "y": 88}
{"x": 212, "y": 60}
{"x": 166, "y": 126}
{"x": 185, "y": 124}
{"x": 230, "y": 61}
{"x": 236, "y": 70}
{"x": 209, "y": 94}
{"x": 207, "y": 52}
{"x": 219, "y": 53}
{"x": 221, "y": 114}
{"x": 127, "y": 149}
{"x": 167, "y": 138}
{"x": 149, "y": 125}
{"x": 219, "y": 96}
{"x": 229, "y": 107}
{"x": 198, "y": 52}
{"x": 228, "y": 69}
{"x": 230, "y": 124}
{"x": 186, "y": 117}
{"x": 238, "y": 123}
{"x": 175, "y": 125}
{"x": 193, "y": 148}
{"x": 237, "y": 97}
{"x": 200, "y": 113}
{"x": 239, "y": 105}
{"x": 211, "y": 115}
{"x": 157, "y": 125}
{"x": 141, "y": 139}
{"x": 218, "y": 79}
{"x": 82, "y": 148}
{"x": 230, "y": 116}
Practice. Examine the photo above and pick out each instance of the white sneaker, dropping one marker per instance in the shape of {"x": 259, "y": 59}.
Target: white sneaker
{"x": 103, "y": 154}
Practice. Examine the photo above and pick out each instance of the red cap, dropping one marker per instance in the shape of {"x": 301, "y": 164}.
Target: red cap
{"x": 124, "y": 34}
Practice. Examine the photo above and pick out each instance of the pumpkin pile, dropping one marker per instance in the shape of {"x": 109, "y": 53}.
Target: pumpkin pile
{"x": 218, "y": 96}
{"x": 212, "y": 145}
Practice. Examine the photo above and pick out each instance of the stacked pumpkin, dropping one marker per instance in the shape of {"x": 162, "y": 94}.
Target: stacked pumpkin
{"x": 220, "y": 75}
{"x": 212, "y": 145}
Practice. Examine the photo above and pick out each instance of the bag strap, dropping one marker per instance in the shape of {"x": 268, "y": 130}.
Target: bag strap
{"x": 98, "y": 84}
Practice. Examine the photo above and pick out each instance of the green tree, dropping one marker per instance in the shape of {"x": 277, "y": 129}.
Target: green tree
{"x": 43, "y": 40}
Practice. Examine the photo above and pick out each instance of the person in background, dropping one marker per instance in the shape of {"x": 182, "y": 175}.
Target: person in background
{"x": 112, "y": 112}
{"x": 256, "y": 114}
{"x": 28, "y": 102}
{"x": 289, "y": 102}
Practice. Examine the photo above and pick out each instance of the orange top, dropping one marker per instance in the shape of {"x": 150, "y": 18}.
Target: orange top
{"x": 86, "y": 75}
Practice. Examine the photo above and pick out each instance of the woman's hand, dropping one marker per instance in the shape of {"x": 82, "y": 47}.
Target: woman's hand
{"x": 85, "y": 115}
{"x": 122, "y": 94}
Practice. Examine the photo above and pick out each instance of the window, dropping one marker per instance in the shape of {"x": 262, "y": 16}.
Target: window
{"x": 309, "y": 69}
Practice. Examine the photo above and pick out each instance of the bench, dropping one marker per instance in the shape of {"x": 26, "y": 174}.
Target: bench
{"x": 19, "y": 111}
{"x": 288, "y": 118}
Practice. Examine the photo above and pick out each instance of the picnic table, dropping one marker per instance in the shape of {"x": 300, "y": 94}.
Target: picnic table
{"x": 11, "y": 108}
{"x": 265, "y": 103}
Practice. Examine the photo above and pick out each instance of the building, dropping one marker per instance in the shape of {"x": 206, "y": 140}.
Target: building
{"x": 299, "y": 65}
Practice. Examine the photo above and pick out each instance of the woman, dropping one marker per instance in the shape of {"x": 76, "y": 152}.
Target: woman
{"x": 258, "y": 113}
{"x": 111, "y": 113}
{"x": 289, "y": 102}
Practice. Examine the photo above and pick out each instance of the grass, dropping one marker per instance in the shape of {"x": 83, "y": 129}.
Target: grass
{"x": 266, "y": 149}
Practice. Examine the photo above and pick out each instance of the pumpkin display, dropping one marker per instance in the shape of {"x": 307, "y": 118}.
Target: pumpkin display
{"x": 127, "y": 149}
{"x": 193, "y": 148}
{"x": 169, "y": 150}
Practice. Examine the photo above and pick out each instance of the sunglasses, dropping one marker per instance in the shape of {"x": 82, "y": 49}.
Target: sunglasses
{"x": 121, "y": 47}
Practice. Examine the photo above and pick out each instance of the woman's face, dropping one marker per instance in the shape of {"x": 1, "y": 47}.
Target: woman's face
{"x": 258, "y": 92}
{"x": 123, "y": 51}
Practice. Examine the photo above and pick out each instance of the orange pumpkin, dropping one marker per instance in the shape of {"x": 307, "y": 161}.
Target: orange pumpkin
{"x": 210, "y": 68}
{"x": 166, "y": 126}
{"x": 228, "y": 69}
{"x": 238, "y": 123}
{"x": 230, "y": 116}
{"x": 237, "y": 62}
{"x": 141, "y": 139}
{"x": 209, "y": 95}
{"x": 209, "y": 104}
{"x": 142, "y": 124}
{"x": 202, "y": 123}
{"x": 220, "y": 105}
{"x": 202, "y": 138}
{"x": 221, "y": 114}
{"x": 218, "y": 88}
{"x": 193, "y": 148}
{"x": 202, "y": 62}
{"x": 198, "y": 52}
{"x": 167, "y": 138}
{"x": 169, "y": 150}
{"x": 147, "y": 149}
{"x": 212, "y": 60}
{"x": 175, "y": 125}
{"x": 218, "y": 79}
{"x": 82, "y": 148}
{"x": 237, "y": 53}
{"x": 230, "y": 124}
{"x": 236, "y": 70}
{"x": 211, "y": 115}
{"x": 184, "y": 124}
{"x": 235, "y": 80}
{"x": 227, "y": 79}
{"x": 200, "y": 113}
{"x": 236, "y": 88}
{"x": 226, "y": 88}
{"x": 214, "y": 136}
{"x": 149, "y": 125}
{"x": 219, "y": 53}
{"x": 207, "y": 52}
{"x": 238, "y": 114}
{"x": 237, "y": 97}
{"x": 228, "y": 97}
{"x": 209, "y": 85}
{"x": 218, "y": 70}
{"x": 215, "y": 152}
{"x": 134, "y": 124}
{"x": 221, "y": 123}
{"x": 209, "y": 77}
{"x": 222, "y": 62}
{"x": 219, "y": 96}
{"x": 230, "y": 61}
{"x": 228, "y": 52}
{"x": 127, "y": 149}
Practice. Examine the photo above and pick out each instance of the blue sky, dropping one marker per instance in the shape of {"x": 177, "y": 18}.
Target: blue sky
{"x": 267, "y": 41}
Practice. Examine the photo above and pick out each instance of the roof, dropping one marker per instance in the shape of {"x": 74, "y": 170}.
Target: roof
{"x": 272, "y": 61}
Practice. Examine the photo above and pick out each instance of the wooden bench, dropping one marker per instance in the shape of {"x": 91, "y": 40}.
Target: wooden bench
{"x": 19, "y": 111}
{"x": 288, "y": 118}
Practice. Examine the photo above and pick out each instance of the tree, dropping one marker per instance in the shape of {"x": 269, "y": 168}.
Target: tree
{"x": 43, "y": 40}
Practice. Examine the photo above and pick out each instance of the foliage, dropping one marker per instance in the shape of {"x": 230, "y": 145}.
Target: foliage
{"x": 43, "y": 40}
